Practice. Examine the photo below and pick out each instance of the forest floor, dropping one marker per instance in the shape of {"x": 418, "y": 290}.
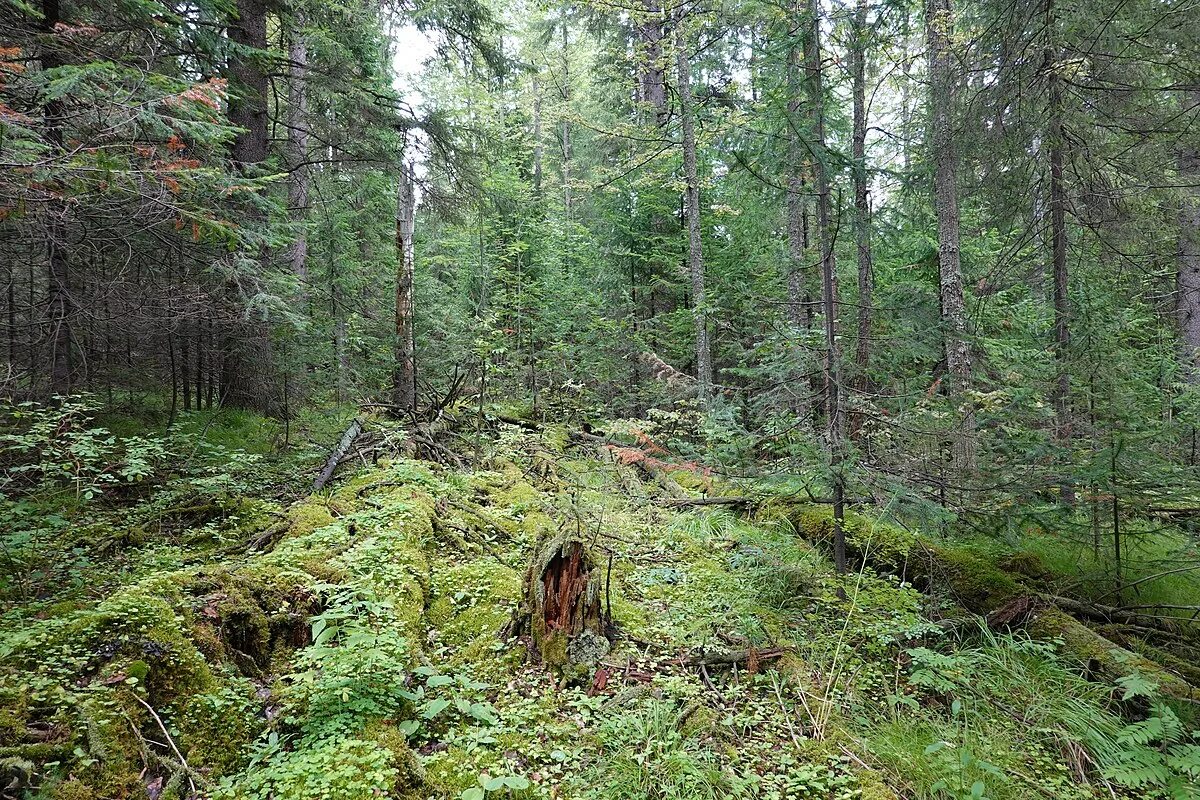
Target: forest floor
{"x": 223, "y": 639}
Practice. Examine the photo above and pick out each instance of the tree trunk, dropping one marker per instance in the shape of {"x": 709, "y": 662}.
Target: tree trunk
{"x": 338, "y": 454}
{"x": 1188, "y": 278}
{"x": 245, "y": 347}
{"x": 248, "y": 82}
{"x": 537, "y": 137}
{"x": 185, "y": 366}
{"x": 58, "y": 299}
{"x": 566, "y": 122}
{"x": 695, "y": 261}
{"x": 939, "y": 26}
{"x": 862, "y": 207}
{"x": 341, "y": 355}
{"x": 797, "y": 234}
{"x": 297, "y": 150}
{"x": 652, "y": 83}
{"x": 404, "y": 376}
{"x": 1058, "y": 250}
{"x": 835, "y": 415}
{"x": 982, "y": 588}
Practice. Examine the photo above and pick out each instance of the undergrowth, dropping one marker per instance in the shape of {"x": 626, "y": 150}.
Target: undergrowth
{"x": 146, "y": 651}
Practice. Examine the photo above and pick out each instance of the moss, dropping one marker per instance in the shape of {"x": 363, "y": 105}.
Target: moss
{"x": 880, "y": 542}
{"x": 1029, "y": 565}
{"x": 410, "y": 772}
{"x": 507, "y": 489}
{"x": 838, "y": 741}
{"x": 452, "y": 771}
{"x": 473, "y": 603}
{"x": 216, "y": 729}
{"x": 976, "y": 584}
{"x": 70, "y": 789}
{"x": 250, "y": 614}
{"x": 556, "y": 438}
{"x": 111, "y": 743}
{"x": 972, "y": 581}
{"x": 308, "y": 515}
{"x": 632, "y": 617}
{"x": 1099, "y": 655}
{"x": 693, "y": 480}
{"x": 698, "y": 721}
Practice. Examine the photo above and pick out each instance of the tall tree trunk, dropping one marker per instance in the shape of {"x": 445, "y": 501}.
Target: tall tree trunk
{"x": 566, "y": 121}
{"x": 939, "y": 25}
{"x": 245, "y": 348}
{"x": 248, "y": 82}
{"x": 537, "y": 137}
{"x": 1058, "y": 249}
{"x": 58, "y": 299}
{"x": 862, "y": 206}
{"x": 835, "y": 415}
{"x": 404, "y": 375}
{"x": 1188, "y": 278}
{"x": 652, "y": 83}
{"x": 297, "y": 148}
{"x": 797, "y": 233}
{"x": 695, "y": 261}
{"x": 185, "y": 364}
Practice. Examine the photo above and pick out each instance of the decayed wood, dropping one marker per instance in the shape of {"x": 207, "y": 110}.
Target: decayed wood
{"x": 339, "y": 452}
{"x": 562, "y": 607}
{"x": 1167, "y": 626}
{"x": 729, "y": 658}
{"x": 689, "y": 502}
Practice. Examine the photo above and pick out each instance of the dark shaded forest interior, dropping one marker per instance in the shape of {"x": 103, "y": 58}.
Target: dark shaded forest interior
{"x": 690, "y": 400}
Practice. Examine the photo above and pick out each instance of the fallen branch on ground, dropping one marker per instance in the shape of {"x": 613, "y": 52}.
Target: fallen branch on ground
{"x": 339, "y": 452}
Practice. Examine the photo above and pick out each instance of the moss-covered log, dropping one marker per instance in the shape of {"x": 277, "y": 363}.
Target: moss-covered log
{"x": 983, "y": 589}
{"x": 563, "y": 607}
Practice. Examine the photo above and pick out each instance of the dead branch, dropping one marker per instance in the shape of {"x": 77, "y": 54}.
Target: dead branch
{"x": 339, "y": 453}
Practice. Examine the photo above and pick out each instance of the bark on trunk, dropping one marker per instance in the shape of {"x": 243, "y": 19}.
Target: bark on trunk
{"x": 652, "y": 83}
{"x": 248, "y": 82}
{"x": 797, "y": 235}
{"x": 862, "y": 207}
{"x": 58, "y": 300}
{"x": 835, "y": 414}
{"x": 566, "y": 122}
{"x": 1058, "y": 249}
{"x": 246, "y": 346}
{"x": 939, "y": 25}
{"x": 339, "y": 453}
{"x": 537, "y": 137}
{"x": 704, "y": 368}
{"x": 404, "y": 376}
{"x": 1188, "y": 279}
{"x": 298, "y": 149}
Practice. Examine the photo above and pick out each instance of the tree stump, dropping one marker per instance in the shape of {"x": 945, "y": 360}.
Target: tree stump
{"x": 563, "y": 606}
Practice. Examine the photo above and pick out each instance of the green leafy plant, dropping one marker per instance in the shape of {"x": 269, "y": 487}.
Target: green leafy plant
{"x": 488, "y": 785}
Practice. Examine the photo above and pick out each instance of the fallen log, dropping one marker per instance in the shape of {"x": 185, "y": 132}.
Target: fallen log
{"x": 982, "y": 589}
{"x": 1165, "y": 626}
{"x": 339, "y": 452}
{"x": 750, "y": 657}
{"x": 690, "y": 502}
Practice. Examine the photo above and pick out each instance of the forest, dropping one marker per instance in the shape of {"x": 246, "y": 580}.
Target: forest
{"x": 614, "y": 399}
